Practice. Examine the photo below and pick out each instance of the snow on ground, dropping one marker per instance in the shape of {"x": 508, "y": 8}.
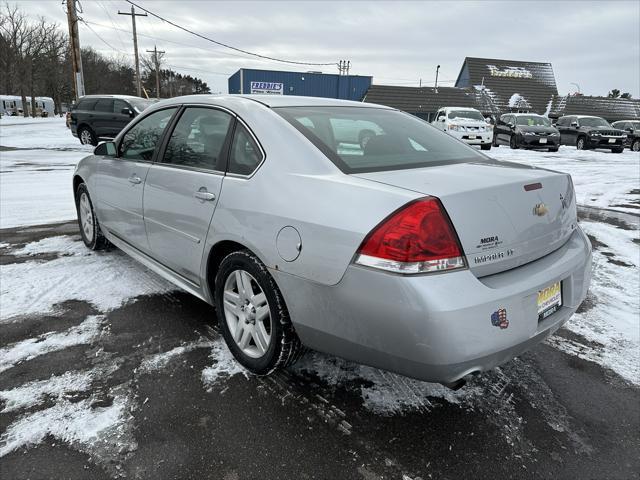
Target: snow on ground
{"x": 31, "y": 348}
{"x": 613, "y": 320}
{"x": 39, "y": 133}
{"x": 105, "y": 279}
{"x": 601, "y": 178}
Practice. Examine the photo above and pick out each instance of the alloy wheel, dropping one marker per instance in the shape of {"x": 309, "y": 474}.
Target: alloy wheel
{"x": 85, "y": 137}
{"x": 580, "y": 144}
{"x": 86, "y": 216}
{"x": 247, "y": 313}
{"x": 636, "y": 146}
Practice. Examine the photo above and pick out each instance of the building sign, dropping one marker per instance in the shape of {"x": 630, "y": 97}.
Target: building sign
{"x": 512, "y": 72}
{"x": 269, "y": 88}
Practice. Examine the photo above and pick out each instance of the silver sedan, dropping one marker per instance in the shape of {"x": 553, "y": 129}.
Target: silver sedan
{"x": 403, "y": 249}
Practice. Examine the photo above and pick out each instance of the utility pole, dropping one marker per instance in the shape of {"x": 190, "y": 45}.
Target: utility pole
{"x": 76, "y": 59}
{"x": 436, "y": 84}
{"x": 155, "y": 52}
{"x": 135, "y": 44}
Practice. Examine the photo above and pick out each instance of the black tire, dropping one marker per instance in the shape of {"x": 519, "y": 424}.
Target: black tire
{"x": 635, "y": 145}
{"x": 486, "y": 146}
{"x": 284, "y": 345}
{"x": 553, "y": 149}
{"x": 93, "y": 239}
{"x": 87, "y": 136}
{"x": 581, "y": 143}
{"x": 513, "y": 142}
{"x": 617, "y": 150}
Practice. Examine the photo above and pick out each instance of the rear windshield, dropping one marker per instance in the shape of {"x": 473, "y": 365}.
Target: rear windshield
{"x": 362, "y": 140}
{"x": 533, "y": 121}
{"x": 466, "y": 115}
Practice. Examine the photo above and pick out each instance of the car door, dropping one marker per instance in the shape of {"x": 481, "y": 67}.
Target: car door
{"x": 561, "y": 125}
{"x": 120, "y": 179}
{"x": 182, "y": 188}
{"x": 504, "y": 135}
{"x": 102, "y": 117}
{"x": 118, "y": 119}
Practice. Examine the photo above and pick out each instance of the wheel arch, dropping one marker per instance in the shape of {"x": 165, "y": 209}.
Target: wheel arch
{"x": 77, "y": 180}
{"x": 216, "y": 253}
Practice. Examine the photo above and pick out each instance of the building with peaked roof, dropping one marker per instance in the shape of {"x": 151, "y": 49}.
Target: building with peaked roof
{"x": 513, "y": 85}
{"x": 611, "y": 109}
{"x": 423, "y": 102}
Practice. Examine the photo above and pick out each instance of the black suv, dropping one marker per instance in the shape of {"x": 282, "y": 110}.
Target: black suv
{"x": 587, "y": 132}
{"x": 632, "y": 127}
{"x": 103, "y": 116}
{"x": 526, "y": 130}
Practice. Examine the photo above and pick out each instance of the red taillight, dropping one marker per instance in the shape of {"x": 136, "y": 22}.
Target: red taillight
{"x": 418, "y": 238}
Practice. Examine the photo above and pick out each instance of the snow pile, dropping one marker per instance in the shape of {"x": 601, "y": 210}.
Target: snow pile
{"x": 161, "y": 360}
{"x": 36, "y": 392}
{"x": 613, "y": 323}
{"x": 224, "y": 365}
{"x": 31, "y": 348}
{"x": 106, "y": 280}
{"x": 518, "y": 101}
{"x": 106, "y": 430}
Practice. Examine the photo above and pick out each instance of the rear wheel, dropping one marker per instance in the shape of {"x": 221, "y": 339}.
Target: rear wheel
{"x": 581, "y": 143}
{"x": 513, "y": 142}
{"x": 486, "y": 146}
{"x": 87, "y": 137}
{"x": 635, "y": 145}
{"x": 252, "y": 315}
{"x": 87, "y": 221}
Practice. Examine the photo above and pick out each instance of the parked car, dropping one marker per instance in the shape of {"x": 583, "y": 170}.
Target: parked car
{"x": 587, "y": 132}
{"x": 526, "y": 130}
{"x": 632, "y": 127}
{"x": 414, "y": 253}
{"x": 466, "y": 124}
{"x": 97, "y": 117}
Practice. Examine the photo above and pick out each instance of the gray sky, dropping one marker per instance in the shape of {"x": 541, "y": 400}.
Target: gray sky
{"x": 595, "y": 44}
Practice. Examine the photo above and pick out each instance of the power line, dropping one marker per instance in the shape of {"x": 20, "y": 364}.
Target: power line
{"x": 246, "y": 52}
{"x": 102, "y": 39}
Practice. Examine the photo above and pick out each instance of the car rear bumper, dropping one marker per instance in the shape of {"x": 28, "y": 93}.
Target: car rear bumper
{"x": 436, "y": 327}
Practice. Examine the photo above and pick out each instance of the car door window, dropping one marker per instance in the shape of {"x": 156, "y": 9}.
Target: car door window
{"x": 198, "y": 139}
{"x": 119, "y": 105}
{"x": 141, "y": 140}
{"x": 104, "y": 105}
{"x": 245, "y": 153}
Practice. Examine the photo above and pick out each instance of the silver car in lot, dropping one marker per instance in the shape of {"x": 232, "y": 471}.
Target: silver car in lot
{"x": 411, "y": 251}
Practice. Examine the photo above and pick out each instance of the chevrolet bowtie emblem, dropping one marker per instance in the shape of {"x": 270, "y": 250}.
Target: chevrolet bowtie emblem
{"x": 540, "y": 209}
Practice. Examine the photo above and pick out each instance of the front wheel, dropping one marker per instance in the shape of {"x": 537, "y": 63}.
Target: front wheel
{"x": 87, "y": 221}
{"x": 513, "y": 142}
{"x": 581, "y": 143}
{"x": 635, "y": 146}
{"x": 252, "y": 315}
{"x": 486, "y": 146}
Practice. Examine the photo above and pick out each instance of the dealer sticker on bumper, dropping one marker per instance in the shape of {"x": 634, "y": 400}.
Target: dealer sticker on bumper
{"x": 549, "y": 300}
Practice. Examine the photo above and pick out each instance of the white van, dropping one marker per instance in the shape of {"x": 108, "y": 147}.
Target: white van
{"x": 466, "y": 124}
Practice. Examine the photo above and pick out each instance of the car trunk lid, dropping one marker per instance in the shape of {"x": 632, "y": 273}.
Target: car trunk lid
{"x": 505, "y": 214}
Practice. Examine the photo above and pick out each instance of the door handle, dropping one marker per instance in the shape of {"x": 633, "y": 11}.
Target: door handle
{"x": 204, "y": 195}
{"x": 135, "y": 179}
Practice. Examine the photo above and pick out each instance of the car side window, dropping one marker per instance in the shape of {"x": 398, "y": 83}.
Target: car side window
{"x": 104, "y": 105}
{"x": 86, "y": 104}
{"x": 198, "y": 139}
{"x": 245, "y": 154}
{"x": 118, "y": 105}
{"x": 142, "y": 139}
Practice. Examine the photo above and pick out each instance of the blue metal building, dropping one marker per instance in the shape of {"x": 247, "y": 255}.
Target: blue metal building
{"x": 311, "y": 84}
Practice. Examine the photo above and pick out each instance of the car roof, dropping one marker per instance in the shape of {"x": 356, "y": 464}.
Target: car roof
{"x": 114, "y": 96}
{"x": 272, "y": 101}
{"x": 528, "y": 114}
{"x": 461, "y": 108}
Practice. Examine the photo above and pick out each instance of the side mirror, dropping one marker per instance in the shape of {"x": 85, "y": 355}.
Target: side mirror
{"x": 127, "y": 111}
{"x": 105, "y": 149}
{"x": 510, "y": 125}
{"x": 574, "y": 124}
{"x": 630, "y": 129}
